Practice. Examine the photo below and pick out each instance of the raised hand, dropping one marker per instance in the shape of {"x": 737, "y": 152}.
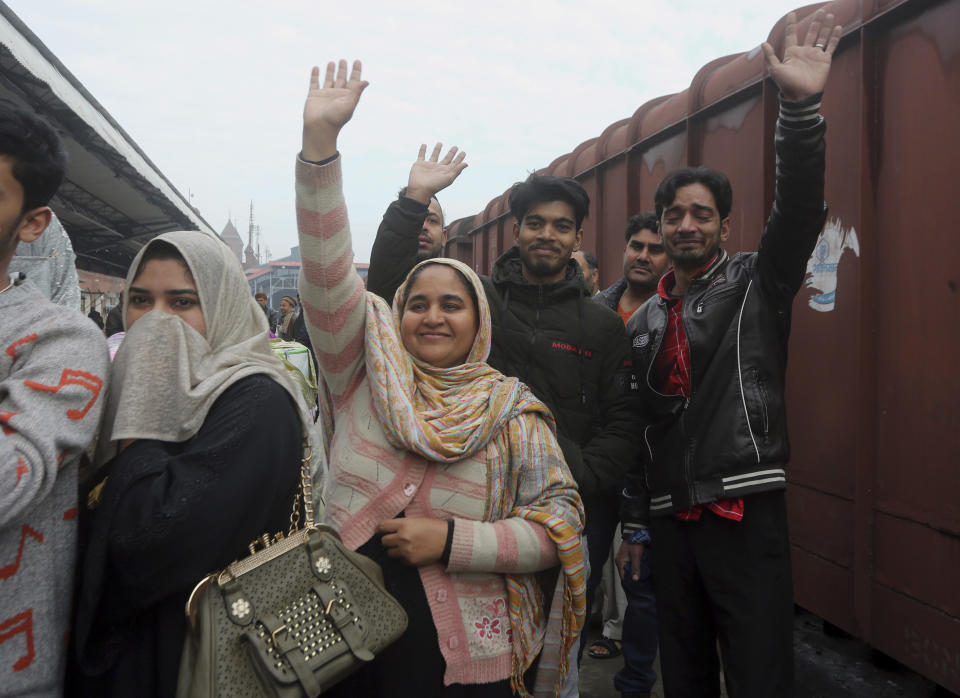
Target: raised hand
{"x": 329, "y": 107}
{"x": 427, "y": 177}
{"x": 805, "y": 65}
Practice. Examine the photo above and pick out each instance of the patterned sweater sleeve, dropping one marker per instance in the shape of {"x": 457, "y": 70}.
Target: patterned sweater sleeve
{"x": 542, "y": 480}
{"x": 52, "y": 379}
{"x": 330, "y": 288}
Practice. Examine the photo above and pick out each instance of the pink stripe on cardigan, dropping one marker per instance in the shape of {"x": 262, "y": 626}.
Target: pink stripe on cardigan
{"x": 338, "y": 361}
{"x": 507, "y": 556}
{"x": 333, "y": 321}
{"x": 321, "y": 225}
{"x": 328, "y": 275}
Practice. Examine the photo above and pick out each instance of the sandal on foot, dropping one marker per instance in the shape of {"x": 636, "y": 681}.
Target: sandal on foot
{"x": 612, "y": 648}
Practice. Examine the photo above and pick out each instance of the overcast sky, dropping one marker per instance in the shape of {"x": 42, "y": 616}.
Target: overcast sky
{"x": 213, "y": 91}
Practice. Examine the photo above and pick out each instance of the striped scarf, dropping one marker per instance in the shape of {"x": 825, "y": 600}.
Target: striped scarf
{"x": 447, "y": 414}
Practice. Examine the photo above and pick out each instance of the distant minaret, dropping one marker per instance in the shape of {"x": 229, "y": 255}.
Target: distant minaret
{"x": 233, "y": 240}
{"x": 251, "y": 257}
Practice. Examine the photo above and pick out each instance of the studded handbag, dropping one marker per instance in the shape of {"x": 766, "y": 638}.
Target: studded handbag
{"x": 292, "y": 619}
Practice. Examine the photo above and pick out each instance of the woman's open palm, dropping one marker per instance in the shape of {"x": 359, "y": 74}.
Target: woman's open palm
{"x": 332, "y": 104}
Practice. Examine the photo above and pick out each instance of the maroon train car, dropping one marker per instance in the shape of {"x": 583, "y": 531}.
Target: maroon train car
{"x": 874, "y": 381}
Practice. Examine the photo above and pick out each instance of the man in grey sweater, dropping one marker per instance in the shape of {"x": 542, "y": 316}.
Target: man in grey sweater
{"x": 53, "y": 372}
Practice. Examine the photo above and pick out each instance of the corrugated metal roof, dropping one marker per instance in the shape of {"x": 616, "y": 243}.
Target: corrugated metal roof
{"x": 257, "y": 273}
{"x": 284, "y": 263}
{"x": 114, "y": 198}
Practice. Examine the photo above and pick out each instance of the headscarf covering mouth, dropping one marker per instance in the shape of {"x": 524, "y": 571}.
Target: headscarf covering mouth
{"x": 166, "y": 395}
{"x": 229, "y": 318}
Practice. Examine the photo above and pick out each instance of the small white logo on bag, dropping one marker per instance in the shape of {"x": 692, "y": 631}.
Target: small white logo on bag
{"x": 240, "y": 608}
{"x": 323, "y": 565}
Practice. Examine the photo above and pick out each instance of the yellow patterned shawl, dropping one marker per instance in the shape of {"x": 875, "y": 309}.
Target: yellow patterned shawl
{"x": 447, "y": 414}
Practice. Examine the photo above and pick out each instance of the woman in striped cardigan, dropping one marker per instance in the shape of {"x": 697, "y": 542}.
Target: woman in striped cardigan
{"x": 444, "y": 470}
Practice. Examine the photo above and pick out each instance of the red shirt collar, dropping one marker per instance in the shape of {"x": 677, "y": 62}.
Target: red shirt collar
{"x": 663, "y": 288}
{"x": 666, "y": 281}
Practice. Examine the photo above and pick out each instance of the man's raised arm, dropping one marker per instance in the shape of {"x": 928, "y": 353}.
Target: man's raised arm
{"x": 798, "y": 212}
{"x": 412, "y": 227}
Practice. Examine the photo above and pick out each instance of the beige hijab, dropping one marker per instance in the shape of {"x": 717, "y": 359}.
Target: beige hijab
{"x": 166, "y": 376}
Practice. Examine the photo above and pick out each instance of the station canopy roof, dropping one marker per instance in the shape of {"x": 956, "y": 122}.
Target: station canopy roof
{"x": 114, "y": 199}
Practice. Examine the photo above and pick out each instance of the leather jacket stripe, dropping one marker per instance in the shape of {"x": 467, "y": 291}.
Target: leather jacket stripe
{"x": 750, "y": 483}
{"x": 758, "y": 473}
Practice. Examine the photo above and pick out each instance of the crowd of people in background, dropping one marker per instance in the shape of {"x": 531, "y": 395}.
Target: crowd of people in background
{"x": 502, "y": 445}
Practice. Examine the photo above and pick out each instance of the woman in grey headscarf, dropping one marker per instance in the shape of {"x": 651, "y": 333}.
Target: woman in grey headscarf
{"x": 199, "y": 454}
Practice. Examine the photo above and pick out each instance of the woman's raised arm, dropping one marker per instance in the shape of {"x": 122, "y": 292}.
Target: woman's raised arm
{"x": 331, "y": 291}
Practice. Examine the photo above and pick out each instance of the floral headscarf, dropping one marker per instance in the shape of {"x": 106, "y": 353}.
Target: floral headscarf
{"x": 447, "y": 414}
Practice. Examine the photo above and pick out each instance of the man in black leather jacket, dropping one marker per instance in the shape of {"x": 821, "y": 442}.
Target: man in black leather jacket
{"x": 710, "y": 360}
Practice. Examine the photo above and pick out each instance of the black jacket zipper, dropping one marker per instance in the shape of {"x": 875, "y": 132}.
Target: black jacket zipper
{"x": 719, "y": 296}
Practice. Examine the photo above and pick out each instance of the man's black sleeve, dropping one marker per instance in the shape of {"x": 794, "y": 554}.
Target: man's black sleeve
{"x": 635, "y": 498}
{"x": 394, "y": 251}
{"x": 600, "y": 465}
{"x": 799, "y": 212}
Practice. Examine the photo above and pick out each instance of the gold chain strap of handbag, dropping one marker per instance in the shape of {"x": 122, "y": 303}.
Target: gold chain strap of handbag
{"x": 305, "y": 495}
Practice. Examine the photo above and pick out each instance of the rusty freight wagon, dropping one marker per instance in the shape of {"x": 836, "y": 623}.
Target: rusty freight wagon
{"x": 874, "y": 380}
